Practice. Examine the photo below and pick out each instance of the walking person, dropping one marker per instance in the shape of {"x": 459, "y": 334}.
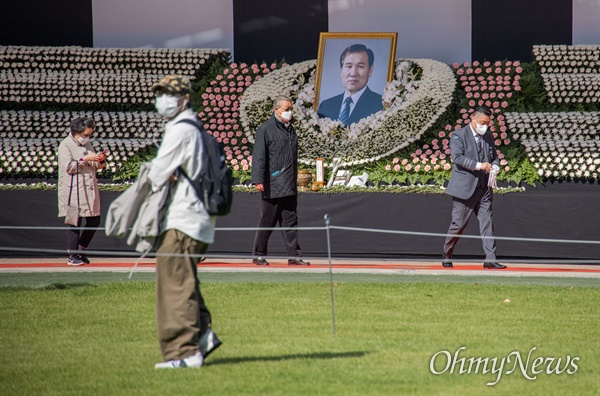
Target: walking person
{"x": 77, "y": 183}
{"x": 274, "y": 174}
{"x": 184, "y": 322}
{"x": 475, "y": 167}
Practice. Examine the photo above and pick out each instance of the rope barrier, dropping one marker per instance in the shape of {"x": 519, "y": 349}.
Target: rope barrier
{"x": 327, "y": 221}
{"x": 466, "y": 236}
{"x": 333, "y": 227}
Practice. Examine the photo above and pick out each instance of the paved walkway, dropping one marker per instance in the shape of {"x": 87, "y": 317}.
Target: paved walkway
{"x": 370, "y": 266}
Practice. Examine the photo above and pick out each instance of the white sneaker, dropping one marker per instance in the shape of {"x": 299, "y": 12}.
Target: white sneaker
{"x": 193, "y": 361}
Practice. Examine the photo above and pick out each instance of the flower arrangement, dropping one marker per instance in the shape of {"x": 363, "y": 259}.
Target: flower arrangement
{"x": 560, "y": 145}
{"x": 582, "y": 88}
{"x": 411, "y": 106}
{"x": 38, "y": 157}
{"x": 76, "y": 77}
{"x": 122, "y": 186}
{"x": 29, "y": 139}
{"x": 256, "y": 105}
{"x": 219, "y": 110}
{"x": 572, "y": 59}
{"x": 157, "y": 61}
{"x": 72, "y": 88}
{"x": 23, "y": 124}
{"x": 28, "y": 157}
{"x": 570, "y": 73}
{"x": 53, "y": 186}
{"x": 405, "y": 142}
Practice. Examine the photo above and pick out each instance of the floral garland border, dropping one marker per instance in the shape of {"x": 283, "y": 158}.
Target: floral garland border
{"x": 411, "y": 107}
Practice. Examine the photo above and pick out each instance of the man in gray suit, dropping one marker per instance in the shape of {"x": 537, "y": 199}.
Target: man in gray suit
{"x": 474, "y": 157}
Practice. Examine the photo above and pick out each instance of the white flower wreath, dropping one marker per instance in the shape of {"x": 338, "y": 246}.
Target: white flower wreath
{"x": 410, "y": 107}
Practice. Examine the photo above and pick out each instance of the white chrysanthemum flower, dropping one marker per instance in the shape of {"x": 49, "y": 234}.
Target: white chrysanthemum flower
{"x": 410, "y": 107}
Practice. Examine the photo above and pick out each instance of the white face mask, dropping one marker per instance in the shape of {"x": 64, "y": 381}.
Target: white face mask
{"x": 481, "y": 129}
{"x": 83, "y": 140}
{"x": 287, "y": 115}
{"x": 166, "y": 105}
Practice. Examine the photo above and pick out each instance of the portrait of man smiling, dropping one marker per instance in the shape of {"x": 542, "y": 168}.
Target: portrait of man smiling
{"x": 358, "y": 100}
{"x": 352, "y": 72}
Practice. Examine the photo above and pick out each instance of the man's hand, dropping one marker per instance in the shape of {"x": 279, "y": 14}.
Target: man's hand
{"x": 260, "y": 187}
{"x": 486, "y": 166}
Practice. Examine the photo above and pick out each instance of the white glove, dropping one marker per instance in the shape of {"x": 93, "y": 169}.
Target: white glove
{"x": 492, "y": 178}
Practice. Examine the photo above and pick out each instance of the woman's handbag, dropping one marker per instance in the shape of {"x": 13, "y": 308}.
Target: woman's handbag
{"x": 72, "y": 216}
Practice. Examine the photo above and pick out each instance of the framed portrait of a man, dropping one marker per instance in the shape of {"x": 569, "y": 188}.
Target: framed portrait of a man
{"x": 352, "y": 71}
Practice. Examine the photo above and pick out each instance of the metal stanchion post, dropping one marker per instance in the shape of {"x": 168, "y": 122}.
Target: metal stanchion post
{"x": 327, "y": 220}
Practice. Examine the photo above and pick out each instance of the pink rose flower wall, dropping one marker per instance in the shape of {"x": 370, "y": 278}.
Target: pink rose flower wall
{"x": 220, "y": 114}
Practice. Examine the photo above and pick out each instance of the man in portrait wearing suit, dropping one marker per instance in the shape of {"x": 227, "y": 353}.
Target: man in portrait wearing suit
{"x": 357, "y": 101}
{"x": 475, "y": 163}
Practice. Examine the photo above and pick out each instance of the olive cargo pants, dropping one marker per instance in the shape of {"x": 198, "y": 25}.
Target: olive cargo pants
{"x": 180, "y": 310}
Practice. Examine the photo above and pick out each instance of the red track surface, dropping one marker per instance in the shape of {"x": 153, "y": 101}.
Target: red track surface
{"x": 375, "y": 266}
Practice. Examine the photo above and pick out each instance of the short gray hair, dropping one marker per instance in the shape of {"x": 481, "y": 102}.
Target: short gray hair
{"x": 279, "y": 100}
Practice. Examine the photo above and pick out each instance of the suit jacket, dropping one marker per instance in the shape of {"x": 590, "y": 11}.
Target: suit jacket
{"x": 369, "y": 103}
{"x": 463, "y": 148}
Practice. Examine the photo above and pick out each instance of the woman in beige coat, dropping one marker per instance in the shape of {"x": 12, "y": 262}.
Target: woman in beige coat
{"x": 77, "y": 166}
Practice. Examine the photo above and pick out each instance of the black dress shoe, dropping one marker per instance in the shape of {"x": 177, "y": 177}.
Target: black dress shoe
{"x": 490, "y": 265}
{"x": 260, "y": 261}
{"x": 447, "y": 264}
{"x": 298, "y": 262}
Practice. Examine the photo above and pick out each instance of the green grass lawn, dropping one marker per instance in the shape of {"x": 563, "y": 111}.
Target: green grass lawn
{"x": 100, "y": 338}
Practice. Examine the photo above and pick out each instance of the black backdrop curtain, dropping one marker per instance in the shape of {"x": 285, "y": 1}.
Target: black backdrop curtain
{"x": 270, "y": 30}
{"x": 45, "y": 22}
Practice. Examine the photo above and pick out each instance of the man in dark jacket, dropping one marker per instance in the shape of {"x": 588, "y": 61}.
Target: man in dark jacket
{"x": 274, "y": 173}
